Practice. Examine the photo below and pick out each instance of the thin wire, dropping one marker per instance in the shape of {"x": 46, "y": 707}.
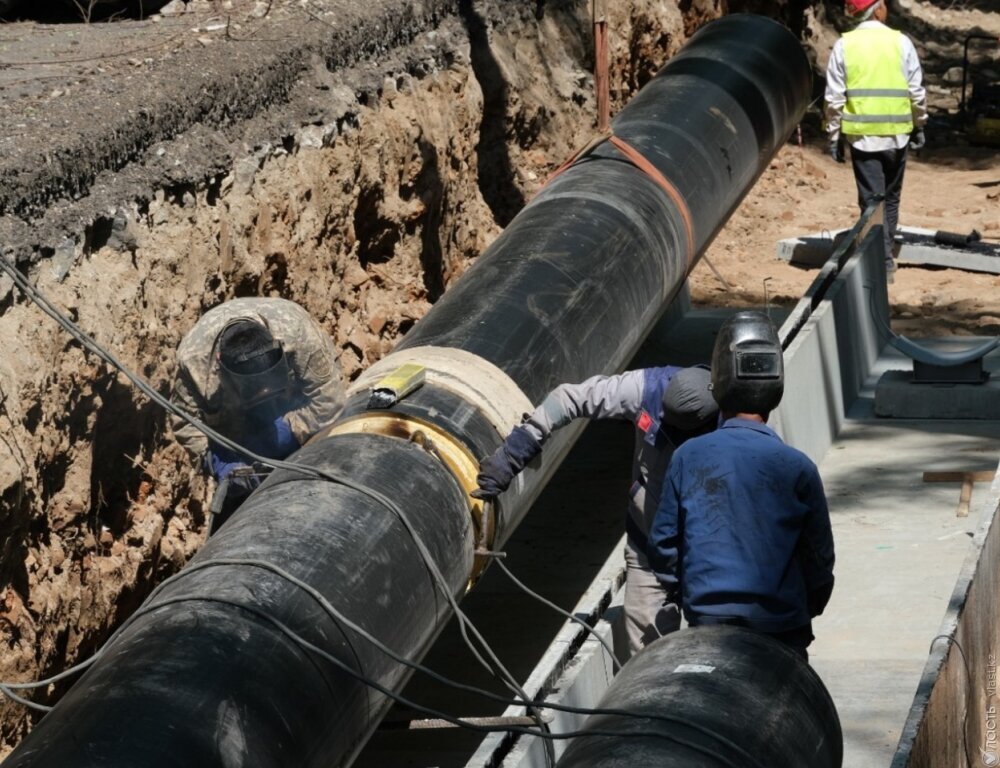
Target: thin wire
{"x": 496, "y": 667}
{"x": 524, "y": 588}
{"x": 968, "y": 682}
{"x": 337, "y": 616}
{"x": 151, "y": 607}
{"x": 363, "y": 633}
{"x": 25, "y": 702}
{"x": 545, "y": 734}
{"x": 51, "y": 680}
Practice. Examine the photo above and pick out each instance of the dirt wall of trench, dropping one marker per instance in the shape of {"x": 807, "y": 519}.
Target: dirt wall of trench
{"x": 364, "y": 221}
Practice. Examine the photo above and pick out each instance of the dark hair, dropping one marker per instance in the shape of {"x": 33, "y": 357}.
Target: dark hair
{"x": 247, "y": 347}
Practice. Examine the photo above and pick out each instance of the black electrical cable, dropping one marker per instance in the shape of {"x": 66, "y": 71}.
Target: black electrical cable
{"x": 530, "y": 705}
{"x": 545, "y": 734}
{"x": 497, "y": 668}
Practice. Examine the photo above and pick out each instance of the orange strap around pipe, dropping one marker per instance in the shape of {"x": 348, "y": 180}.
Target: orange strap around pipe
{"x": 637, "y": 159}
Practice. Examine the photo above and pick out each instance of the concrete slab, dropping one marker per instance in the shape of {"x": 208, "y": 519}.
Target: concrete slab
{"x": 916, "y": 246}
{"x": 900, "y": 548}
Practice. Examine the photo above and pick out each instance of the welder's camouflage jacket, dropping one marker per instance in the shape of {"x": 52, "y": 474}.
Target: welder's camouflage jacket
{"x": 635, "y": 396}
{"x": 312, "y": 361}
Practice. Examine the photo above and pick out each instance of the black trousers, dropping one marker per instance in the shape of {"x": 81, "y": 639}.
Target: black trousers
{"x": 880, "y": 174}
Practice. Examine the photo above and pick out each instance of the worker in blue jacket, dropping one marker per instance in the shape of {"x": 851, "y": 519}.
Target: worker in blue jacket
{"x": 742, "y": 532}
{"x": 667, "y": 405}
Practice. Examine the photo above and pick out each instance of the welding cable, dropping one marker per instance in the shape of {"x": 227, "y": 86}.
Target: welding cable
{"x": 152, "y": 606}
{"x": 571, "y": 617}
{"x": 546, "y": 735}
{"x": 89, "y": 343}
{"x": 22, "y": 701}
{"x": 498, "y": 669}
{"x": 8, "y": 688}
{"x": 341, "y": 619}
{"x": 416, "y": 666}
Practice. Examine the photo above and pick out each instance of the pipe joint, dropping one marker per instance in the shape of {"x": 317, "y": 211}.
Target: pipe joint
{"x": 447, "y": 449}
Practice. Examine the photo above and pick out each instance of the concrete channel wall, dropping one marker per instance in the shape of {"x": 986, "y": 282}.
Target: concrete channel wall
{"x": 955, "y": 717}
{"x": 831, "y": 341}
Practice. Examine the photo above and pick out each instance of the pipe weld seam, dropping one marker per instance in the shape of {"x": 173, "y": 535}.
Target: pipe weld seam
{"x": 446, "y": 448}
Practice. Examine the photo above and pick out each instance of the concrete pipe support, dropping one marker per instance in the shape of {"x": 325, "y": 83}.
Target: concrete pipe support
{"x": 219, "y": 674}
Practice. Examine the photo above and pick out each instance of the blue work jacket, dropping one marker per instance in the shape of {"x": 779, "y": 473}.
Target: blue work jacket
{"x": 742, "y": 530}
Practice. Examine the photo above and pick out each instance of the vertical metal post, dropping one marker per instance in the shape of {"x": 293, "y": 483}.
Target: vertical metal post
{"x": 601, "y": 84}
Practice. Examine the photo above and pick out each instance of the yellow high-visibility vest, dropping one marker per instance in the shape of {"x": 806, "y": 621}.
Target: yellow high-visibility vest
{"x": 878, "y": 95}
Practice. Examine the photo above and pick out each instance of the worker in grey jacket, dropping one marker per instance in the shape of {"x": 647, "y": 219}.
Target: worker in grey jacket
{"x": 667, "y": 405}
{"x": 261, "y": 372}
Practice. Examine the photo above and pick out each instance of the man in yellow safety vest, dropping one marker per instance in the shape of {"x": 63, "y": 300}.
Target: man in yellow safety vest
{"x": 875, "y": 101}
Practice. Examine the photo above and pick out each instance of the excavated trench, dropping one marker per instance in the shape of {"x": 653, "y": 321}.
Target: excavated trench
{"x": 363, "y": 211}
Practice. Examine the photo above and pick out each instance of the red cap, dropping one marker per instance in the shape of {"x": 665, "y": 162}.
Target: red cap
{"x": 855, "y": 7}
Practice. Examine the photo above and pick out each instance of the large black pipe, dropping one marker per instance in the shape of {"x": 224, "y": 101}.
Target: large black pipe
{"x": 713, "y": 697}
{"x": 214, "y": 676}
{"x": 578, "y": 278}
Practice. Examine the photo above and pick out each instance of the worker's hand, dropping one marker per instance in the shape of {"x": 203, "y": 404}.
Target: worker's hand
{"x": 223, "y": 463}
{"x": 917, "y": 139}
{"x": 284, "y": 439}
{"x": 242, "y": 476}
{"x": 837, "y": 149}
{"x": 497, "y": 471}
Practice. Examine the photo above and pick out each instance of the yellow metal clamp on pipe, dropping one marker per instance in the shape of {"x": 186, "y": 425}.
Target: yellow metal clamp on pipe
{"x": 451, "y": 452}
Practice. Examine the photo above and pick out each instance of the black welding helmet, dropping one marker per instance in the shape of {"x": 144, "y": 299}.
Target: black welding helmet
{"x": 254, "y": 367}
{"x": 748, "y": 372}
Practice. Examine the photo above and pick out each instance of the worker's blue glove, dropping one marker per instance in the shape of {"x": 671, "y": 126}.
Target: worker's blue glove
{"x": 224, "y": 463}
{"x": 917, "y": 139}
{"x": 497, "y": 471}
{"x": 284, "y": 439}
{"x": 837, "y": 149}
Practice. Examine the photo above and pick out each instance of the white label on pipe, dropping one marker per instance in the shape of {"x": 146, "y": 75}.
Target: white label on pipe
{"x": 695, "y": 669}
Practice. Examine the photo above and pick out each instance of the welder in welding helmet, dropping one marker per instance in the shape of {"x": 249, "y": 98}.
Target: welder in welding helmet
{"x": 253, "y": 366}
{"x": 748, "y": 372}
{"x": 255, "y": 376}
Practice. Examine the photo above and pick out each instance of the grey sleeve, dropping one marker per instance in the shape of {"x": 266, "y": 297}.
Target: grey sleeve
{"x": 914, "y": 78}
{"x": 835, "y": 95}
{"x": 599, "y": 397}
